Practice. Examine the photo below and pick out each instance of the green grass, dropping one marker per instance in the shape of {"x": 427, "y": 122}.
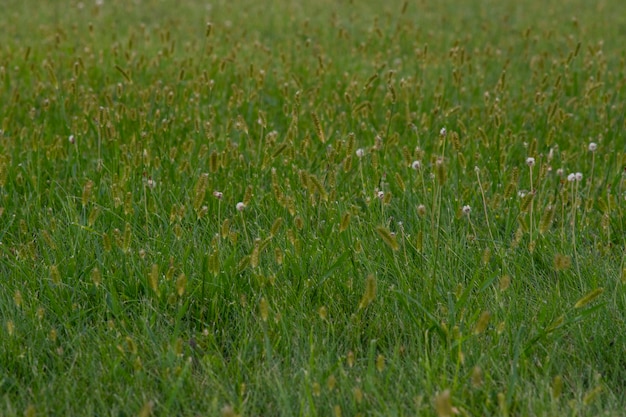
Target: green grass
{"x": 348, "y": 285}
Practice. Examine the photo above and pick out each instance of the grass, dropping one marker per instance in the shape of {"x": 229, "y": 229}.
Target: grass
{"x": 336, "y": 208}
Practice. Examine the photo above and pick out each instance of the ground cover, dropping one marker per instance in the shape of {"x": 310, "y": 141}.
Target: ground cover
{"x": 336, "y": 208}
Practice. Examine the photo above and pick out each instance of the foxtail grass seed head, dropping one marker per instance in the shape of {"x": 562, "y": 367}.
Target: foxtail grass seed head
{"x": 482, "y": 323}
{"x": 388, "y": 237}
{"x": 589, "y": 297}
{"x": 557, "y": 386}
{"x": 263, "y": 309}
{"x": 55, "y": 276}
{"x": 443, "y": 405}
{"x": 477, "y": 377}
{"x": 562, "y": 262}
{"x": 153, "y": 278}
{"x": 440, "y": 171}
{"x": 181, "y": 284}
{"x": 345, "y": 221}
{"x": 96, "y": 277}
{"x": 87, "y": 191}
{"x": 504, "y": 282}
{"x": 17, "y": 298}
{"x": 370, "y": 292}
{"x": 380, "y": 363}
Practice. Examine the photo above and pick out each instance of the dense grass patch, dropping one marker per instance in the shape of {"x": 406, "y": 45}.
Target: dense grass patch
{"x": 336, "y": 208}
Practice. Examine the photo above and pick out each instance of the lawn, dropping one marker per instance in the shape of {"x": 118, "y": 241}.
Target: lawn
{"x": 325, "y": 208}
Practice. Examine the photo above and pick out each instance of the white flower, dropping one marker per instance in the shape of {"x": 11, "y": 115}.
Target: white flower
{"x": 360, "y": 153}
{"x": 218, "y": 194}
{"x": 416, "y": 165}
{"x": 530, "y": 161}
{"x": 571, "y": 177}
{"x": 593, "y": 146}
{"x": 467, "y": 210}
{"x": 240, "y": 206}
{"x": 443, "y": 131}
{"x": 578, "y": 176}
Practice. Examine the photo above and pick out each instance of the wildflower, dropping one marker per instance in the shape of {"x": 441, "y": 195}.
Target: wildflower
{"x": 467, "y": 210}
{"x": 360, "y": 153}
{"x": 530, "y": 161}
{"x": 218, "y": 194}
{"x": 416, "y": 165}
{"x": 240, "y": 206}
{"x": 593, "y": 146}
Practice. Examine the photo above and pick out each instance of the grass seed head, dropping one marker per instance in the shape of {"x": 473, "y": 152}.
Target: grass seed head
{"x": 370, "y": 292}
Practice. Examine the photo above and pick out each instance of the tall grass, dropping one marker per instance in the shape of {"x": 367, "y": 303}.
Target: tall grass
{"x": 336, "y": 208}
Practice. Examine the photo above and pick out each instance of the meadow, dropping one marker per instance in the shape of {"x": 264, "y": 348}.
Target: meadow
{"x": 326, "y": 208}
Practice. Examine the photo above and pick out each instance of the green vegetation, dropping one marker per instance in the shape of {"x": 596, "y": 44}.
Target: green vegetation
{"x": 336, "y": 208}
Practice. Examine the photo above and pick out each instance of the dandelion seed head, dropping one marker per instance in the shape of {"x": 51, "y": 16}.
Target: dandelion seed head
{"x": 360, "y": 153}
{"x": 71, "y": 139}
{"x": 240, "y": 206}
{"x": 380, "y": 195}
{"x": 443, "y": 131}
{"x": 593, "y": 146}
{"x": 578, "y": 176}
{"x": 571, "y": 177}
{"x": 530, "y": 161}
{"x": 467, "y": 210}
{"x": 416, "y": 165}
{"x": 218, "y": 194}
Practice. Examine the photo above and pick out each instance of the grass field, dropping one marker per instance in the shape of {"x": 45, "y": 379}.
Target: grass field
{"x": 333, "y": 208}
